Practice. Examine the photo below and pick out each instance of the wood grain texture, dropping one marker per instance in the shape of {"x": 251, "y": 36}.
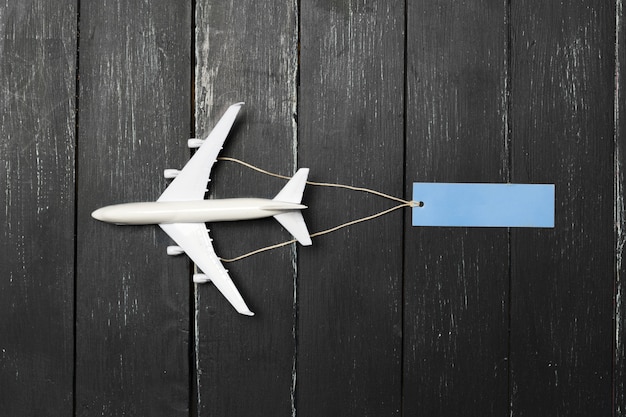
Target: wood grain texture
{"x": 350, "y": 124}
{"x": 379, "y": 319}
{"x": 562, "y": 279}
{"x": 619, "y": 374}
{"x": 247, "y": 51}
{"x": 37, "y": 138}
{"x": 456, "y": 279}
{"x": 132, "y": 299}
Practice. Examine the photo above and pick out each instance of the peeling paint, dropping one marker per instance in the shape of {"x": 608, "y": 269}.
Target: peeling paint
{"x": 620, "y": 219}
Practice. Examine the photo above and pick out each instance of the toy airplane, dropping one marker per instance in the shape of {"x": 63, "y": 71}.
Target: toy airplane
{"x": 181, "y": 210}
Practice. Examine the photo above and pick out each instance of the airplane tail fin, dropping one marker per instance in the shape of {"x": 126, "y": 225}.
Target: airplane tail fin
{"x": 293, "y": 220}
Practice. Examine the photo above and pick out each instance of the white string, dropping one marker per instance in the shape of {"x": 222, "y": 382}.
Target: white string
{"x": 321, "y": 184}
{"x": 404, "y": 203}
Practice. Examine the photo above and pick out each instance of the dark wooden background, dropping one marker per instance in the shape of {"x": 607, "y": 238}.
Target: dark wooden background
{"x": 380, "y": 319}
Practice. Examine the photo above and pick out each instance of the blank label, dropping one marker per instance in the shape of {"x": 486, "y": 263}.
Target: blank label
{"x": 483, "y": 205}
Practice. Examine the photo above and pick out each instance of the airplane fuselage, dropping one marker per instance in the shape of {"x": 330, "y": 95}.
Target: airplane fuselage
{"x": 197, "y": 211}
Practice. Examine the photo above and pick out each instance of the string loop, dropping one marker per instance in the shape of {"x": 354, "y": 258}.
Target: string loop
{"x": 404, "y": 203}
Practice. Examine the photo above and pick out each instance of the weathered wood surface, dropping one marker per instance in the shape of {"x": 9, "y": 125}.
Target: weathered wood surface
{"x": 247, "y": 51}
{"x": 619, "y": 372}
{"x": 378, "y": 319}
{"x": 562, "y": 72}
{"x": 132, "y": 301}
{"x": 456, "y": 279}
{"x": 37, "y": 143}
{"x": 350, "y": 130}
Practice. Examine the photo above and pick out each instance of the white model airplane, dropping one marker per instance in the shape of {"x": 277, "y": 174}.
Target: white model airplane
{"x": 181, "y": 210}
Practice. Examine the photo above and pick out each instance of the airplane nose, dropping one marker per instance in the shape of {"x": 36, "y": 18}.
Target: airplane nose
{"x": 98, "y": 214}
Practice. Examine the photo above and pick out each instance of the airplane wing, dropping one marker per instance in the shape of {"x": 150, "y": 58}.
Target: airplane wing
{"x": 194, "y": 240}
{"x": 191, "y": 182}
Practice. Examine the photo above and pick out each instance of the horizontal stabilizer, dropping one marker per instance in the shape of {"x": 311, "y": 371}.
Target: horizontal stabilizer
{"x": 294, "y": 223}
{"x": 292, "y": 192}
{"x": 292, "y": 220}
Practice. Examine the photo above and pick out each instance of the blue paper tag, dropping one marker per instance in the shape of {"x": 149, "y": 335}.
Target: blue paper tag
{"x": 483, "y": 205}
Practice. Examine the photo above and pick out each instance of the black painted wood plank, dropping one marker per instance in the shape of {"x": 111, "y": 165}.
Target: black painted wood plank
{"x": 619, "y": 372}
{"x": 247, "y": 51}
{"x": 132, "y": 299}
{"x": 456, "y": 279}
{"x": 350, "y": 282}
{"x": 563, "y": 278}
{"x": 37, "y": 139}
